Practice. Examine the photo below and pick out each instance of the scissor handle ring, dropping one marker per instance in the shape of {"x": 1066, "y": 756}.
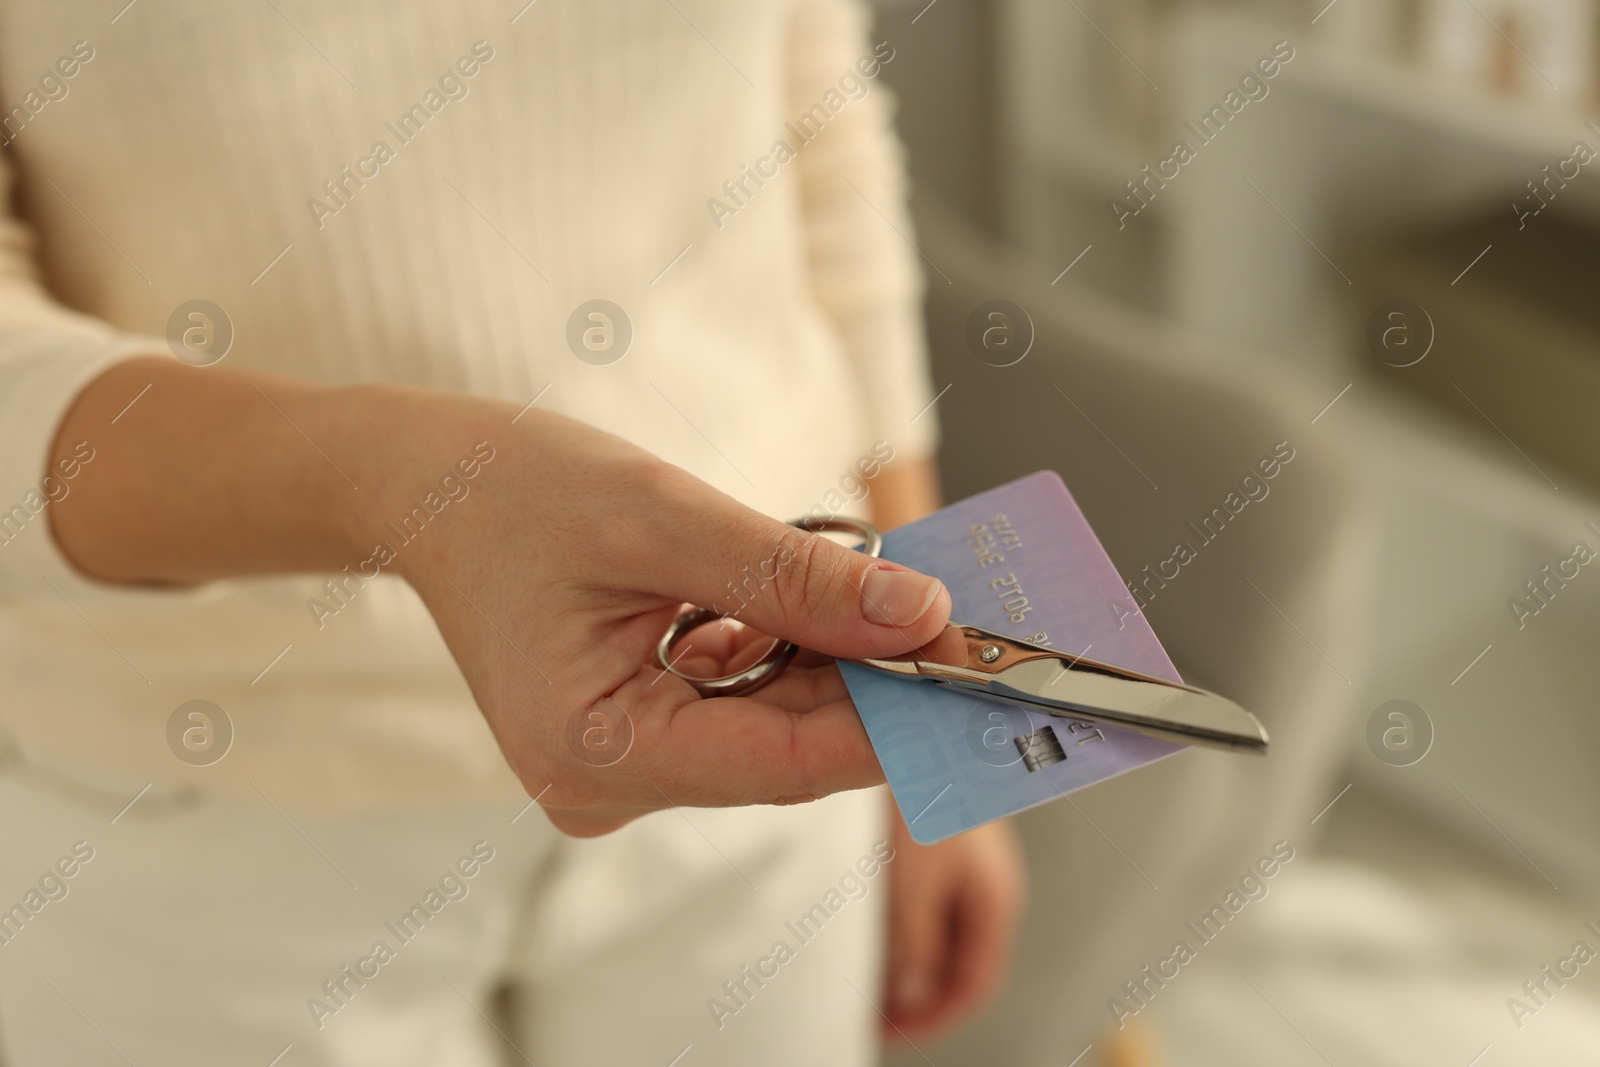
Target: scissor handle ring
{"x": 753, "y": 677}
{"x": 782, "y": 653}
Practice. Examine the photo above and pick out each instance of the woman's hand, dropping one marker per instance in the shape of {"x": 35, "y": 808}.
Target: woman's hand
{"x": 953, "y": 913}
{"x": 551, "y": 580}
{"x": 554, "y": 584}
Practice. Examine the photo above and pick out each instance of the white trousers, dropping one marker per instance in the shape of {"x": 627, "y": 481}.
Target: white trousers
{"x": 211, "y": 930}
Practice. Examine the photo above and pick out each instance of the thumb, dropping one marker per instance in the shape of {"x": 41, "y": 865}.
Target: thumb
{"x": 802, "y": 587}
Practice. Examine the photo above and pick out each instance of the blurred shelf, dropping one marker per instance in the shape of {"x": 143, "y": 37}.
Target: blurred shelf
{"x": 1351, "y": 151}
{"x": 1437, "y": 104}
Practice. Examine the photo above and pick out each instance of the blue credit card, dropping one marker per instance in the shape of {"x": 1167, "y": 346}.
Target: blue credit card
{"x": 1020, "y": 560}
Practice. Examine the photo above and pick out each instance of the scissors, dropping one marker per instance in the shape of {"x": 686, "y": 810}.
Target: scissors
{"x": 992, "y": 665}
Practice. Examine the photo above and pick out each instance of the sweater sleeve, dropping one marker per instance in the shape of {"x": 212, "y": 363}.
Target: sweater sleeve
{"x": 865, "y": 272}
{"x": 48, "y": 353}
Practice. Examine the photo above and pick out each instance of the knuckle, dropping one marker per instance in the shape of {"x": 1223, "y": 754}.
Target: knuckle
{"x": 813, "y": 577}
{"x": 645, "y": 490}
{"x": 660, "y": 484}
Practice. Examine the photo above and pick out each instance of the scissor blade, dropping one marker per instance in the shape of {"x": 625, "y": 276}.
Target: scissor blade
{"x": 1086, "y": 690}
{"x": 989, "y": 664}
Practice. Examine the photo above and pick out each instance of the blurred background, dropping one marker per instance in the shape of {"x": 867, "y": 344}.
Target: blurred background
{"x": 1385, "y": 253}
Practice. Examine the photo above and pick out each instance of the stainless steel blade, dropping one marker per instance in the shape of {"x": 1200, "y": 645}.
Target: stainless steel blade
{"x": 1156, "y": 707}
{"x": 993, "y": 665}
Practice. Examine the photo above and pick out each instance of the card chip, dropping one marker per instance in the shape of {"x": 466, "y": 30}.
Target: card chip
{"x": 1040, "y": 749}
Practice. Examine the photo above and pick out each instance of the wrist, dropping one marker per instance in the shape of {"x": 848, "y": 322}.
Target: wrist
{"x": 418, "y": 455}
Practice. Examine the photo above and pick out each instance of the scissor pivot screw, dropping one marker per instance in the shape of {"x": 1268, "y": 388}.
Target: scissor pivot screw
{"x": 989, "y": 653}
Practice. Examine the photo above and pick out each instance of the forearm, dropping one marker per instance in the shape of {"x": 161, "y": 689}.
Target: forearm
{"x": 213, "y": 473}
{"x": 550, "y": 587}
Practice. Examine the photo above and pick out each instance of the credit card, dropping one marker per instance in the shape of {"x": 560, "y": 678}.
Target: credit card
{"x": 1019, "y": 559}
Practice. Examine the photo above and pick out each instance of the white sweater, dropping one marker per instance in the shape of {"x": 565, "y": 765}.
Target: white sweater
{"x": 423, "y": 192}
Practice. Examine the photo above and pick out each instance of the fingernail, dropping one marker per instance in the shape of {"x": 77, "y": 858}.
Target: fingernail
{"x": 912, "y": 992}
{"x": 897, "y": 598}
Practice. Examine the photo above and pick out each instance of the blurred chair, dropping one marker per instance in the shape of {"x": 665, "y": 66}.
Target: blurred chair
{"x": 1158, "y": 429}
